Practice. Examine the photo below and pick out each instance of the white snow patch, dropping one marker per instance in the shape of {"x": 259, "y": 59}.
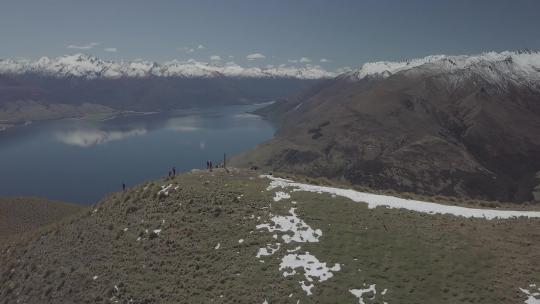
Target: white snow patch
{"x": 307, "y": 287}
{"x": 268, "y": 250}
{"x": 94, "y": 277}
{"x": 157, "y": 231}
{"x": 533, "y": 294}
{"x": 376, "y": 200}
{"x": 301, "y": 232}
{"x": 281, "y": 195}
{"x": 359, "y": 293}
{"x": 294, "y": 250}
{"x": 217, "y": 246}
{"x": 313, "y": 268}
{"x": 240, "y": 241}
{"x": 165, "y": 190}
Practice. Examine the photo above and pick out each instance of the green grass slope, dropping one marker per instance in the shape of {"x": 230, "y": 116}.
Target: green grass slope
{"x": 20, "y": 215}
{"x": 198, "y": 244}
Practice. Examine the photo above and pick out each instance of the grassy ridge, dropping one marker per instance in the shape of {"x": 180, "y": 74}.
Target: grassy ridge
{"x": 168, "y": 252}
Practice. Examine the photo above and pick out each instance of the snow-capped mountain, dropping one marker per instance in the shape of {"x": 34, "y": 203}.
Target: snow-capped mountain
{"x": 81, "y": 65}
{"x": 458, "y": 125}
{"x": 519, "y": 66}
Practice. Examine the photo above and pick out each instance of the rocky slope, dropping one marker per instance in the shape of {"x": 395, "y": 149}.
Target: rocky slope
{"x": 464, "y": 126}
{"x": 235, "y": 237}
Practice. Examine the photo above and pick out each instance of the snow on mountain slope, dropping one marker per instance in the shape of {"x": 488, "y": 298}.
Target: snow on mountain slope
{"x": 493, "y": 66}
{"x": 90, "y": 67}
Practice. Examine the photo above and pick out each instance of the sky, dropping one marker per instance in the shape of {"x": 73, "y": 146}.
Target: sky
{"x": 332, "y": 34}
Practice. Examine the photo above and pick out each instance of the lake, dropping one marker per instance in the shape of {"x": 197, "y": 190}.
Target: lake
{"x": 81, "y": 161}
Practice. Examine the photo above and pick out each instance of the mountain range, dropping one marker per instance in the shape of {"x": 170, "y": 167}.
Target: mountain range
{"x": 90, "y": 67}
{"x": 465, "y": 126}
{"x": 79, "y": 85}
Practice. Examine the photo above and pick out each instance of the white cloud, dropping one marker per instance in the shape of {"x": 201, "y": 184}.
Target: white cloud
{"x": 215, "y": 58}
{"x": 201, "y": 47}
{"x": 88, "y": 46}
{"x": 186, "y": 49}
{"x": 111, "y": 49}
{"x": 324, "y": 60}
{"x": 305, "y": 60}
{"x": 255, "y": 56}
{"x": 343, "y": 70}
{"x": 93, "y": 137}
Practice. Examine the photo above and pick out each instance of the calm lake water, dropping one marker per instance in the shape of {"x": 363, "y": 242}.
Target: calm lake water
{"x": 80, "y": 161}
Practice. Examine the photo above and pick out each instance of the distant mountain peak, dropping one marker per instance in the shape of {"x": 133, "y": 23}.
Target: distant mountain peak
{"x": 517, "y": 65}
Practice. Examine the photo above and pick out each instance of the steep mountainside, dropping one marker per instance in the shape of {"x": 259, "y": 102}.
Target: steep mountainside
{"x": 72, "y": 81}
{"x": 236, "y": 237}
{"x": 452, "y": 125}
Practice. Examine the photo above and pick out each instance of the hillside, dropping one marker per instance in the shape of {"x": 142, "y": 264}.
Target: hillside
{"x": 239, "y": 237}
{"x": 466, "y": 126}
{"x": 20, "y": 215}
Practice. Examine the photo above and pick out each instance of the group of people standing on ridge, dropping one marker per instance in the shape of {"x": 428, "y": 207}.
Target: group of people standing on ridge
{"x": 172, "y": 172}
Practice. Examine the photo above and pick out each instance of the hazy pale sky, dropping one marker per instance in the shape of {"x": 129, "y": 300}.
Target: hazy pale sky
{"x": 340, "y": 33}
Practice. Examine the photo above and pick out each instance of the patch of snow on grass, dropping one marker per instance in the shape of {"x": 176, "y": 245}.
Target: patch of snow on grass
{"x": 165, "y": 190}
{"x": 533, "y": 294}
{"x": 240, "y": 241}
{"x": 301, "y": 232}
{"x": 376, "y": 200}
{"x": 268, "y": 250}
{"x": 157, "y": 231}
{"x": 295, "y": 249}
{"x": 217, "y": 246}
{"x": 307, "y": 288}
{"x": 281, "y": 195}
{"x": 313, "y": 268}
{"x": 369, "y": 291}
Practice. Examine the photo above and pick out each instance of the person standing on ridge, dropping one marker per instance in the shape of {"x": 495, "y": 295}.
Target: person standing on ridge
{"x": 173, "y": 171}
{"x": 123, "y": 187}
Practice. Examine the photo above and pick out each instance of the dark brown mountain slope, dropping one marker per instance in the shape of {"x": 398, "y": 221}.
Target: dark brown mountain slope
{"x": 452, "y": 132}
